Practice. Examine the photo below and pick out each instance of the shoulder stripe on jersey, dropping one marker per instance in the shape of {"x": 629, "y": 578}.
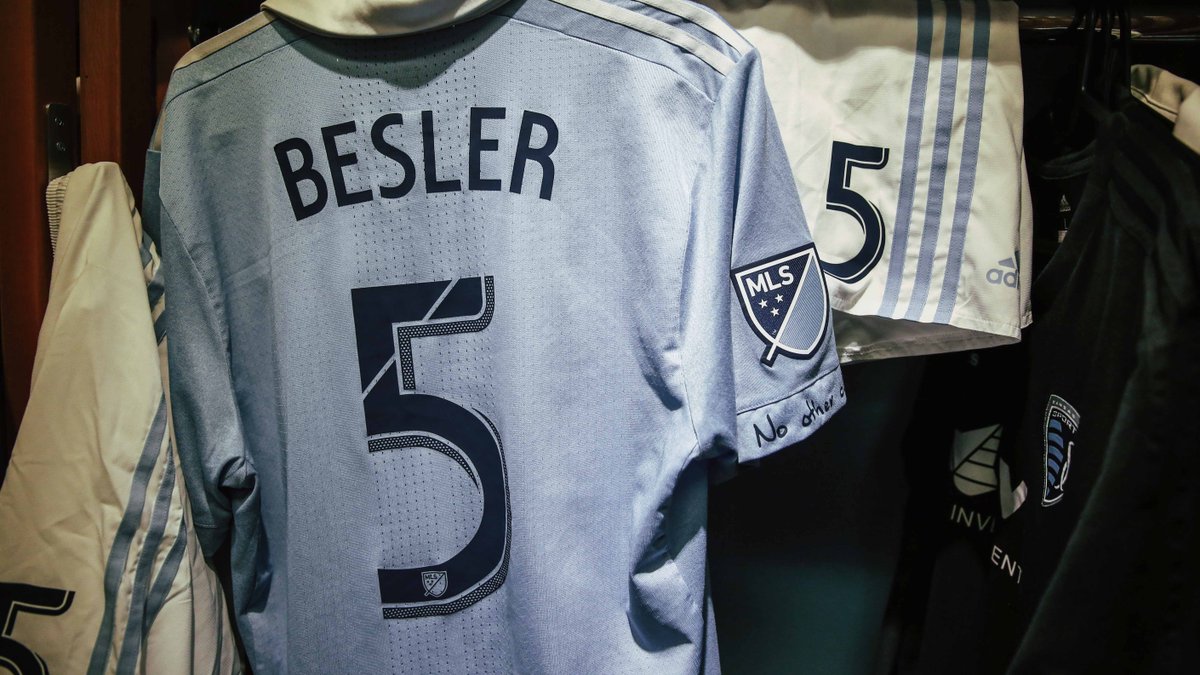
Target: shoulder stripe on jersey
{"x": 970, "y": 159}
{"x": 944, "y": 127}
{"x": 644, "y": 24}
{"x": 912, "y": 153}
{"x": 210, "y": 47}
{"x": 703, "y": 19}
{"x": 226, "y": 38}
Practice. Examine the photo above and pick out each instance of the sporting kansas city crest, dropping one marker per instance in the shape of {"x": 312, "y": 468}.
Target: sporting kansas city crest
{"x": 785, "y": 303}
{"x": 1061, "y": 425}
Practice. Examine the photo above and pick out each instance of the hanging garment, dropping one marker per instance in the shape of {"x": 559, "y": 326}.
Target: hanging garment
{"x": 461, "y": 319}
{"x": 1086, "y": 572}
{"x": 1124, "y": 595}
{"x": 903, "y": 124}
{"x": 958, "y": 467}
{"x": 100, "y": 569}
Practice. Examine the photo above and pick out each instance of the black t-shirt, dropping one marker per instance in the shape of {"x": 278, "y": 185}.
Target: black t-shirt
{"x": 1064, "y": 547}
{"x": 1116, "y": 586}
{"x": 958, "y": 466}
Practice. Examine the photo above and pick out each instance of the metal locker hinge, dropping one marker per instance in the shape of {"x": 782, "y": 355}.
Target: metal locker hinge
{"x": 60, "y": 140}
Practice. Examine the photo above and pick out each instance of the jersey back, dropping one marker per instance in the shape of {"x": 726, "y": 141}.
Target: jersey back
{"x": 462, "y": 319}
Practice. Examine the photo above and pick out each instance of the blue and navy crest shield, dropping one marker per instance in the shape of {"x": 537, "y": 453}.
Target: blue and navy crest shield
{"x": 784, "y": 300}
{"x": 1061, "y": 425}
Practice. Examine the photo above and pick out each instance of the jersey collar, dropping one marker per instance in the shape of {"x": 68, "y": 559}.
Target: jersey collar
{"x": 377, "y": 18}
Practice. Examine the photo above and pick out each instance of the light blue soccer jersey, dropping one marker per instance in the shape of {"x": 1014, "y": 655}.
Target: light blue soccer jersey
{"x": 461, "y": 320}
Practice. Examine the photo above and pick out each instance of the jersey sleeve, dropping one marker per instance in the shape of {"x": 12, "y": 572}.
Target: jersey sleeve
{"x": 758, "y": 349}
{"x": 204, "y": 413}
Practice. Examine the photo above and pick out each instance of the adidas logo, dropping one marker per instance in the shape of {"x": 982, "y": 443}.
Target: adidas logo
{"x": 997, "y": 276}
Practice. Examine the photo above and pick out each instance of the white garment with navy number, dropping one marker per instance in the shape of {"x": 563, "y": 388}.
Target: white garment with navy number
{"x": 100, "y": 568}
{"x": 903, "y": 124}
{"x": 461, "y": 319}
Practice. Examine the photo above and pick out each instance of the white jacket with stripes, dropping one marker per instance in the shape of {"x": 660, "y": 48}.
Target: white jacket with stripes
{"x": 100, "y": 571}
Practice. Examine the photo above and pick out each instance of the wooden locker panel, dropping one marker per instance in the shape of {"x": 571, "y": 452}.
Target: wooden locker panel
{"x": 116, "y": 84}
{"x": 38, "y": 50}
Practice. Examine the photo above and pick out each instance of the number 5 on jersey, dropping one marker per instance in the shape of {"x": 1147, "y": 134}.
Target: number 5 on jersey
{"x": 844, "y": 158}
{"x": 386, "y": 321}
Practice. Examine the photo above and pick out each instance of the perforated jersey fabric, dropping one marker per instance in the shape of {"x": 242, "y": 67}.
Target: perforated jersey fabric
{"x": 464, "y": 320}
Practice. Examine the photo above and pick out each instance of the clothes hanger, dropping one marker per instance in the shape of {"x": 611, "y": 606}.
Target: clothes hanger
{"x": 1081, "y": 101}
{"x": 1121, "y": 87}
{"x": 1085, "y": 100}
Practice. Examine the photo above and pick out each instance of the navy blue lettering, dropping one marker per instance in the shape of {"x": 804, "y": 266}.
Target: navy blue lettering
{"x": 479, "y": 145}
{"x": 338, "y": 162}
{"x": 293, "y": 175}
{"x": 525, "y": 153}
{"x": 395, "y": 154}
{"x": 479, "y": 141}
{"x": 432, "y": 184}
